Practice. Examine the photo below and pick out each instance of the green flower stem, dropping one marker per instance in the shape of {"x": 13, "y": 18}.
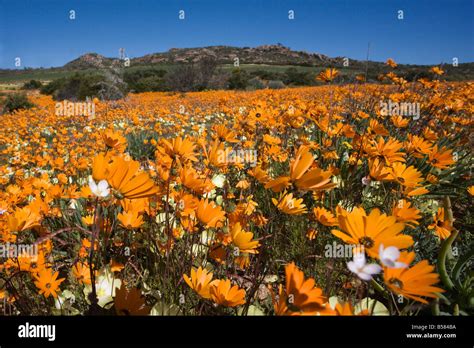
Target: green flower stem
{"x": 379, "y": 288}
{"x": 435, "y": 307}
{"x": 446, "y": 247}
{"x": 456, "y": 310}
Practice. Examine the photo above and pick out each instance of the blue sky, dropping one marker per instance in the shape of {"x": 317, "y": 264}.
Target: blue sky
{"x": 42, "y": 35}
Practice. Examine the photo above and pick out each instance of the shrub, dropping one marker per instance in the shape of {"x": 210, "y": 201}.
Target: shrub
{"x": 183, "y": 78}
{"x": 256, "y": 83}
{"x": 32, "y": 84}
{"x": 49, "y": 88}
{"x": 206, "y": 70}
{"x": 106, "y": 86}
{"x": 238, "y": 79}
{"x": 276, "y": 84}
{"x": 149, "y": 84}
{"x": 17, "y": 101}
{"x": 297, "y": 78}
{"x": 219, "y": 80}
{"x": 145, "y": 79}
{"x": 76, "y": 87}
{"x": 192, "y": 77}
{"x": 414, "y": 75}
{"x": 267, "y": 75}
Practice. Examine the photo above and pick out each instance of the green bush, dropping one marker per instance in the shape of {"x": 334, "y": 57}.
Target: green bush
{"x": 32, "y": 84}
{"x": 49, "y": 88}
{"x": 145, "y": 79}
{"x": 276, "y": 84}
{"x": 17, "y": 101}
{"x": 183, "y": 78}
{"x": 238, "y": 80}
{"x": 256, "y": 83}
{"x": 76, "y": 87}
{"x": 106, "y": 86}
{"x": 149, "y": 84}
{"x": 297, "y": 78}
{"x": 192, "y": 76}
{"x": 267, "y": 75}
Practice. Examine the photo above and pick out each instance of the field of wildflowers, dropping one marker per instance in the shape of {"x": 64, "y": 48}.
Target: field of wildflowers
{"x": 330, "y": 200}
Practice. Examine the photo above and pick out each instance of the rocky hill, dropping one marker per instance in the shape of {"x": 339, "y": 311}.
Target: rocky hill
{"x": 267, "y": 54}
{"x": 89, "y": 61}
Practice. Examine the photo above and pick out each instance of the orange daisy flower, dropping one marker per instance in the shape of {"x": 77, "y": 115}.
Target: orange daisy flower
{"x": 415, "y": 282}
{"x": 23, "y": 219}
{"x": 302, "y": 296}
{"x": 440, "y": 158}
{"x": 200, "y": 281}
{"x": 128, "y": 181}
{"x": 408, "y": 177}
{"x": 47, "y": 282}
{"x": 222, "y": 293}
{"x": 328, "y": 75}
{"x": 289, "y": 205}
{"x": 179, "y": 149}
{"x": 130, "y": 219}
{"x": 324, "y": 216}
{"x": 388, "y": 151}
{"x": 114, "y": 140}
{"x": 404, "y": 212}
{"x": 243, "y": 240}
{"x": 441, "y": 225}
{"x": 315, "y": 179}
{"x": 210, "y": 214}
{"x": 371, "y": 230}
{"x": 81, "y": 272}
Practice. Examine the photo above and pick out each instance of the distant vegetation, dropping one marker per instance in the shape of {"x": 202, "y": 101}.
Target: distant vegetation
{"x": 114, "y": 83}
{"x": 80, "y": 86}
{"x": 144, "y": 79}
{"x": 204, "y": 75}
{"x": 207, "y": 68}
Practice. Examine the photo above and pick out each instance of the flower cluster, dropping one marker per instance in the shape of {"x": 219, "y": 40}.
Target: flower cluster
{"x": 135, "y": 212}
